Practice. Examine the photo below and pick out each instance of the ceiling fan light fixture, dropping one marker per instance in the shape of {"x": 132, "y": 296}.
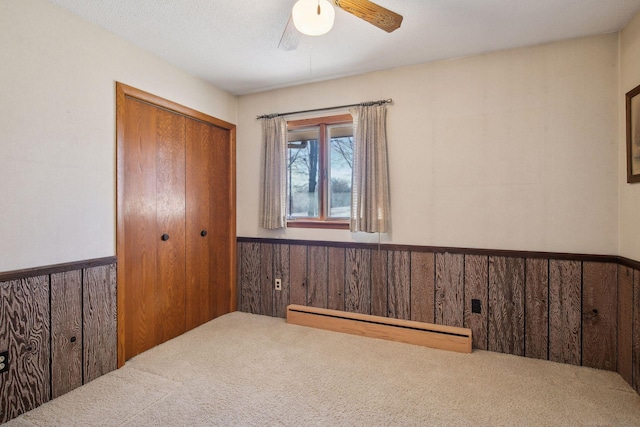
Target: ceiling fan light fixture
{"x": 313, "y": 17}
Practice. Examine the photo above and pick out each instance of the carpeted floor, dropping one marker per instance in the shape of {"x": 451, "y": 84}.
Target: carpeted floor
{"x": 244, "y": 369}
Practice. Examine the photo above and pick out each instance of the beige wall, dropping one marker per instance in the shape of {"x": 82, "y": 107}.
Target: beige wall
{"x": 57, "y": 130}
{"x": 629, "y": 193}
{"x": 509, "y": 150}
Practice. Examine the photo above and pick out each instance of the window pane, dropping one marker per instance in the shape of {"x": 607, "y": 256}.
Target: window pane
{"x": 302, "y": 182}
{"x": 340, "y": 166}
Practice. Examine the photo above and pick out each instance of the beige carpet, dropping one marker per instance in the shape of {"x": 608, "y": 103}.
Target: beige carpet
{"x": 244, "y": 369}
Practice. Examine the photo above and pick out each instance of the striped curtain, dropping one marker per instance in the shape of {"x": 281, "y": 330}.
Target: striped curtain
{"x": 370, "y": 206}
{"x": 273, "y": 204}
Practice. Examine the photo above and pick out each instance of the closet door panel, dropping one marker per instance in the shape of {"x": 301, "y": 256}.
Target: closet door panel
{"x": 170, "y": 220}
{"x": 210, "y": 222}
{"x": 199, "y": 227}
{"x": 139, "y": 214}
{"x": 176, "y": 220}
{"x": 223, "y": 219}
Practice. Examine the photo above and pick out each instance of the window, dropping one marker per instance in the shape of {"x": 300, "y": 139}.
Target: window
{"x": 319, "y": 164}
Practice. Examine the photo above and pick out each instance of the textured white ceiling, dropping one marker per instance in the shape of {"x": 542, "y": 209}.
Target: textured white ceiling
{"x": 234, "y": 43}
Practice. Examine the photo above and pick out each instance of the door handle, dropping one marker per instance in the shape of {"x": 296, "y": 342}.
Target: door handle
{"x": 203, "y": 233}
{"x": 164, "y": 237}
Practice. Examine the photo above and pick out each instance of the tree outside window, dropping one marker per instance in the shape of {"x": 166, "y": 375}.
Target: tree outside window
{"x": 320, "y": 160}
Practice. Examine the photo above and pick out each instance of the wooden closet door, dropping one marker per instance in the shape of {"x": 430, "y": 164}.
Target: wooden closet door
{"x": 223, "y": 219}
{"x": 153, "y": 206}
{"x": 176, "y": 176}
{"x": 170, "y": 222}
{"x": 207, "y": 229}
{"x": 199, "y": 206}
{"x": 139, "y": 214}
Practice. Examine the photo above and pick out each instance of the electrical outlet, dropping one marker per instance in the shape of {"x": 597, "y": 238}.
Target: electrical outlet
{"x": 4, "y": 361}
{"x": 476, "y": 307}
{"x": 278, "y": 284}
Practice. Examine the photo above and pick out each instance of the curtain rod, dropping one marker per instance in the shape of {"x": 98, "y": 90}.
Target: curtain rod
{"x": 363, "y": 104}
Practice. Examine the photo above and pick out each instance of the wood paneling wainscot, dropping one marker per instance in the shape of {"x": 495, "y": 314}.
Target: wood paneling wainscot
{"x": 599, "y": 315}
{"x": 399, "y": 284}
{"x": 536, "y": 336}
{"x": 59, "y": 327}
{"x": 318, "y": 277}
{"x": 379, "y": 282}
{"x": 266, "y": 279}
{"x": 636, "y": 330}
{"x": 281, "y": 271}
{"x": 449, "y": 290}
{"x": 565, "y": 312}
{"x": 422, "y": 273}
{"x": 336, "y": 293}
{"x": 298, "y": 274}
{"x": 476, "y": 279}
{"x": 568, "y": 308}
{"x": 358, "y": 281}
{"x": 239, "y": 275}
{"x": 66, "y": 332}
{"x": 250, "y": 278}
{"x": 99, "y": 307}
{"x": 506, "y": 305}
{"x": 25, "y": 333}
{"x": 625, "y": 323}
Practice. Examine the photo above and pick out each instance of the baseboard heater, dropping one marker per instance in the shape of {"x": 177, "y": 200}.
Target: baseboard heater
{"x": 406, "y": 331}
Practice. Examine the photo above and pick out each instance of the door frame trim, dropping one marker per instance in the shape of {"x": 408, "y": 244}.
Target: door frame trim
{"x": 124, "y": 91}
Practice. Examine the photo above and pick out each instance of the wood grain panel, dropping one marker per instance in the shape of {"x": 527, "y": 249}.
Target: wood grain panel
{"x": 636, "y": 331}
{"x": 476, "y": 278}
{"x": 422, "y": 271}
{"x": 449, "y": 289}
{"x": 26, "y": 384}
{"x": 214, "y": 156}
{"x": 281, "y": 271}
{"x": 266, "y": 279}
{"x": 337, "y": 279}
{"x": 537, "y": 308}
{"x": 358, "y": 281}
{"x": 565, "y": 306}
{"x": 199, "y": 204}
{"x": 170, "y": 217}
{"x": 625, "y": 323}
{"x": 318, "y": 276}
{"x": 399, "y": 277}
{"x": 506, "y": 305}
{"x": 298, "y": 274}
{"x": 238, "y": 284}
{"x": 379, "y": 282}
{"x": 140, "y": 234}
{"x": 66, "y": 332}
{"x": 250, "y": 282}
{"x": 100, "y": 321}
{"x": 599, "y": 315}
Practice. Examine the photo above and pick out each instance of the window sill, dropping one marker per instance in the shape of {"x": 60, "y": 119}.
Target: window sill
{"x": 336, "y": 225}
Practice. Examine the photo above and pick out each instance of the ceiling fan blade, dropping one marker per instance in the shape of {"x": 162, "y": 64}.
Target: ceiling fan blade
{"x": 372, "y": 13}
{"x": 290, "y": 37}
